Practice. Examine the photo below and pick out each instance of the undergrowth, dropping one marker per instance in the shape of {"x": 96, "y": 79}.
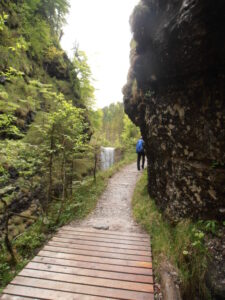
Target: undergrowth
{"x": 78, "y": 206}
{"x": 182, "y": 245}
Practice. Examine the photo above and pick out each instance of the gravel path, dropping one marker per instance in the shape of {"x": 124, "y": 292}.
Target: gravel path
{"x": 113, "y": 210}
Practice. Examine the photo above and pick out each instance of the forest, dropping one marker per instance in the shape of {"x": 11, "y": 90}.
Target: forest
{"x": 50, "y": 133}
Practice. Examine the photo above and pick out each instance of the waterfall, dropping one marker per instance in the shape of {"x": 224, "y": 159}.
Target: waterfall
{"x": 107, "y": 157}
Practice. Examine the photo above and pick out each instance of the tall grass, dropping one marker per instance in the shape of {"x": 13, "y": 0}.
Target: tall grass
{"x": 182, "y": 244}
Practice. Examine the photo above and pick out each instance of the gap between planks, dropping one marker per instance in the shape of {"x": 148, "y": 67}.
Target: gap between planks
{"x": 79, "y": 288}
{"x": 92, "y": 265}
{"x": 104, "y": 234}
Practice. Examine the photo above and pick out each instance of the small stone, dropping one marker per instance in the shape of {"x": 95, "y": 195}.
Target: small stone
{"x": 101, "y": 227}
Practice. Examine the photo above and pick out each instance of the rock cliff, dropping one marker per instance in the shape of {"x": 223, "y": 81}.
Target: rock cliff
{"x": 175, "y": 93}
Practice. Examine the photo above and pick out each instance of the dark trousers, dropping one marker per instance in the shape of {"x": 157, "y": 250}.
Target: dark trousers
{"x": 140, "y": 156}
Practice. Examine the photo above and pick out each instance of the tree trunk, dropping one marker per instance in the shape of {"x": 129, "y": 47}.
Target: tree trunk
{"x": 6, "y": 239}
{"x": 49, "y": 198}
{"x": 63, "y": 175}
{"x": 95, "y": 164}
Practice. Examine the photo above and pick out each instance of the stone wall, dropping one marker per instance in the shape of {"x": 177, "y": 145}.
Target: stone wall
{"x": 175, "y": 93}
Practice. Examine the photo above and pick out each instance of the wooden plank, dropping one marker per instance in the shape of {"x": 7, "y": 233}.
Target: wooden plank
{"x": 65, "y": 242}
{"x": 14, "y": 297}
{"x": 104, "y": 235}
{"x": 42, "y": 293}
{"x": 59, "y": 248}
{"x": 121, "y": 233}
{"x": 100, "y": 260}
{"x": 80, "y": 289}
{"x": 87, "y": 264}
{"x": 89, "y": 272}
{"x": 87, "y": 280}
{"x": 102, "y": 244}
{"x": 100, "y": 239}
{"x": 90, "y": 265}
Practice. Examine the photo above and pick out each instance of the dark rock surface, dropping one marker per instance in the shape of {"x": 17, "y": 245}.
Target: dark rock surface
{"x": 175, "y": 93}
{"x": 216, "y": 274}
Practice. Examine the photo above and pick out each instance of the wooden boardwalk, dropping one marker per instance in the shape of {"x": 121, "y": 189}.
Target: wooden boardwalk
{"x": 87, "y": 264}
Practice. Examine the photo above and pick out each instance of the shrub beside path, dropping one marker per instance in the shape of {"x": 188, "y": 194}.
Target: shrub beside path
{"x": 105, "y": 256}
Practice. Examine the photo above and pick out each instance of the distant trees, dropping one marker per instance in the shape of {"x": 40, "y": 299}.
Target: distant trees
{"x": 83, "y": 71}
{"x": 114, "y": 128}
{"x": 54, "y": 11}
{"x": 130, "y": 132}
{"x": 38, "y": 22}
{"x": 112, "y": 122}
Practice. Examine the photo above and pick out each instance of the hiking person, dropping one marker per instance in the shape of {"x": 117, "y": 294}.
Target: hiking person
{"x": 140, "y": 153}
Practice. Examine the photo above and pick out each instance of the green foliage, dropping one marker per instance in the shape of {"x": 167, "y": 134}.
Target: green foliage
{"x": 21, "y": 45}
{"x": 83, "y": 71}
{"x": 11, "y": 73}
{"x": 7, "y": 273}
{"x": 53, "y": 53}
{"x": 53, "y": 132}
{"x": 211, "y": 226}
{"x": 38, "y": 36}
{"x": 218, "y": 165}
{"x": 28, "y": 243}
{"x": 130, "y": 133}
{"x": 78, "y": 206}
{"x": 96, "y": 117}
{"x": 5, "y": 269}
{"x": 112, "y": 127}
{"x": 3, "y": 18}
{"x": 183, "y": 245}
{"x": 38, "y": 24}
{"x": 8, "y": 128}
{"x": 54, "y": 11}
{"x": 67, "y": 122}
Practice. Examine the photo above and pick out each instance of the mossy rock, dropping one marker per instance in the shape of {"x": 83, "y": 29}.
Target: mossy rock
{"x": 16, "y": 220}
{"x": 29, "y": 222}
{"x": 10, "y": 222}
{"x": 27, "y": 213}
{"x": 10, "y": 227}
{"x": 22, "y": 228}
{"x": 13, "y": 232}
{"x": 34, "y": 209}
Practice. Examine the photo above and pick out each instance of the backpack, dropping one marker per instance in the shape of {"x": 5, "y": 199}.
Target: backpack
{"x": 139, "y": 146}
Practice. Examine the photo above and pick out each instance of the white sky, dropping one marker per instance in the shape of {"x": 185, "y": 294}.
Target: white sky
{"x": 102, "y": 30}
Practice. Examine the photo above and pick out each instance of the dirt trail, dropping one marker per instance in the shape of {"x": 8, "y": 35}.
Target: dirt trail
{"x": 113, "y": 210}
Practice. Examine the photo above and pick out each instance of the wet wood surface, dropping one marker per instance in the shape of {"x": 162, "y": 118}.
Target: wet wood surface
{"x": 84, "y": 263}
